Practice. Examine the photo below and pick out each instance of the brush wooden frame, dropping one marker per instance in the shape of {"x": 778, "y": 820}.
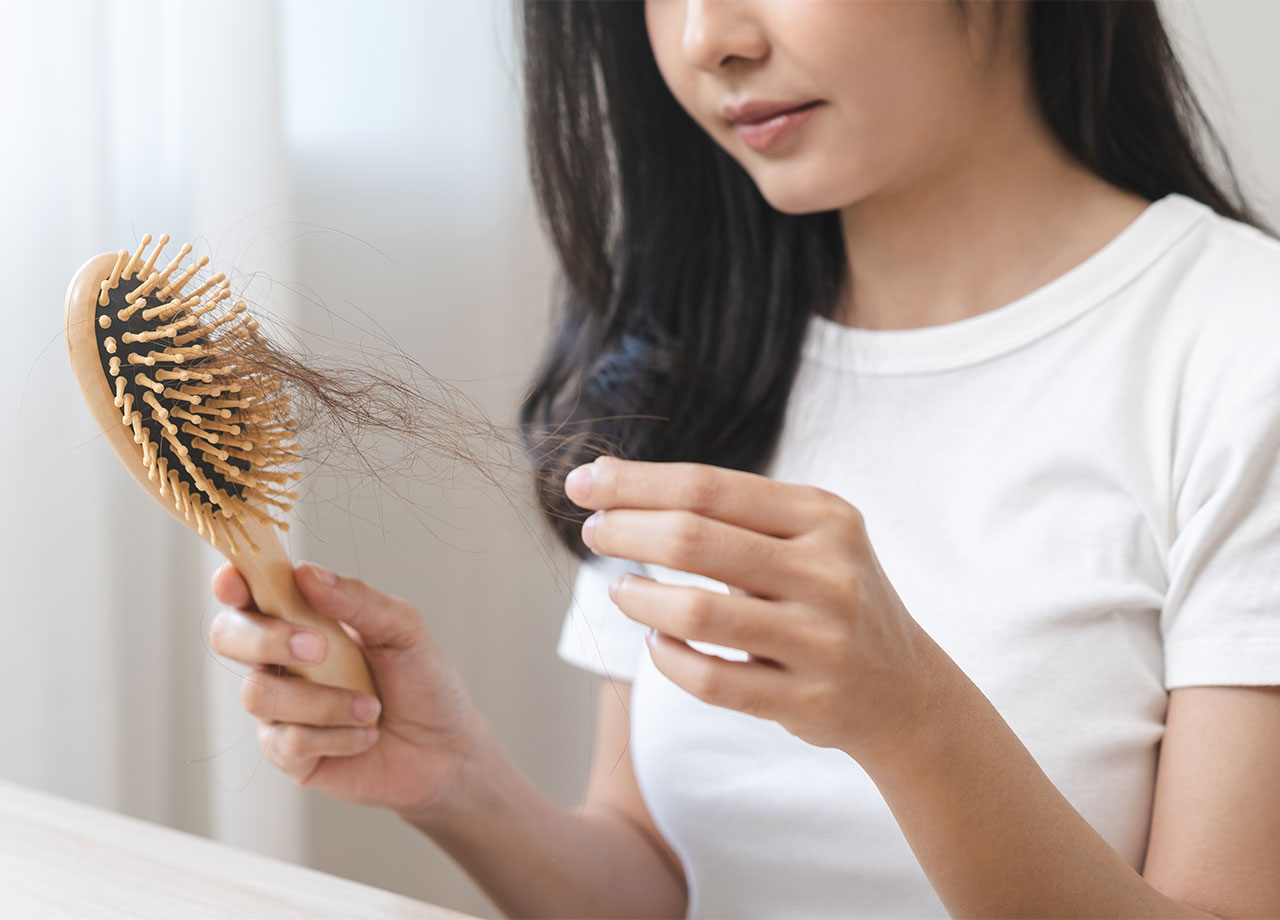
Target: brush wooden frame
{"x": 268, "y": 572}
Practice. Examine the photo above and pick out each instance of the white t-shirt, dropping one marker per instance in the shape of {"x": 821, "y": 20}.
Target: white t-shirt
{"x": 1077, "y": 495}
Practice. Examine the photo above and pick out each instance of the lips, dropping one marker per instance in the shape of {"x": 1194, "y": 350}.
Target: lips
{"x": 755, "y": 111}
{"x": 763, "y": 136}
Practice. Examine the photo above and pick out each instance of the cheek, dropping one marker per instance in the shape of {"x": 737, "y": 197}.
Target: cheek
{"x": 896, "y": 72}
{"x": 663, "y": 24}
{"x": 895, "y": 106}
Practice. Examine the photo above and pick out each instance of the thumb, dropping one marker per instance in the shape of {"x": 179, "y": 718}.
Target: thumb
{"x": 382, "y": 620}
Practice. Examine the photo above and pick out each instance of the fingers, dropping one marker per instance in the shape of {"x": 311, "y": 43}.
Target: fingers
{"x": 371, "y": 617}
{"x": 682, "y": 540}
{"x": 382, "y": 620}
{"x": 298, "y": 749}
{"x": 743, "y": 499}
{"x": 754, "y": 687}
{"x": 301, "y": 722}
{"x": 254, "y": 639}
{"x": 229, "y": 587}
{"x": 275, "y": 697}
{"x": 694, "y": 614}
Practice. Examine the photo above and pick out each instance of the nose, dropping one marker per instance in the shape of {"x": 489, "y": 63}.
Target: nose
{"x": 716, "y": 31}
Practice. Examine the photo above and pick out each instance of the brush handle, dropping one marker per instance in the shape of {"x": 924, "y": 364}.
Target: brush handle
{"x": 269, "y": 574}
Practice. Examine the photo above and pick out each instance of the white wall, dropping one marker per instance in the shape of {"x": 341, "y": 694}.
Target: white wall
{"x": 1229, "y": 50}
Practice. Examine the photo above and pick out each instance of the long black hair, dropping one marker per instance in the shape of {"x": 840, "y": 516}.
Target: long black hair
{"x": 684, "y": 296}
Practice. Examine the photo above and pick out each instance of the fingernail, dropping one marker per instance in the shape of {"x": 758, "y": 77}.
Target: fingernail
{"x": 323, "y": 575}
{"x": 307, "y": 646}
{"x": 589, "y": 528}
{"x": 369, "y": 735}
{"x": 366, "y": 708}
{"x": 613, "y": 588}
{"x": 651, "y": 635}
{"x": 578, "y": 483}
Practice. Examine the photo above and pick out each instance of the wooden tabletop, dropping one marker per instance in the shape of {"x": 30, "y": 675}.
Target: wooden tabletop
{"x": 60, "y": 858}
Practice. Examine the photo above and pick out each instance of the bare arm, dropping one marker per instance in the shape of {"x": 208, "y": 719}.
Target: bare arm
{"x": 996, "y": 838}
{"x": 1215, "y": 829}
{"x": 535, "y": 858}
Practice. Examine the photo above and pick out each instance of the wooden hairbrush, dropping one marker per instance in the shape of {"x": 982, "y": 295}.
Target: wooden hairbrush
{"x": 202, "y": 433}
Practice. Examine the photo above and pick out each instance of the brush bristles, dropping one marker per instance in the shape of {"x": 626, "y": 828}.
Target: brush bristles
{"x": 212, "y": 432}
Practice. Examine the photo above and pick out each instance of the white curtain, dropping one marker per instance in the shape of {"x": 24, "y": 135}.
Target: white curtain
{"x": 118, "y": 119}
{"x": 351, "y": 164}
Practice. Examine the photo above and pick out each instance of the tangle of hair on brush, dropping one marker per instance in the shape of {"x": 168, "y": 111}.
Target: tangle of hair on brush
{"x": 192, "y": 371}
{"x": 213, "y": 430}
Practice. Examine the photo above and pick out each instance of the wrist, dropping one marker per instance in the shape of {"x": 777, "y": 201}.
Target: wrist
{"x": 920, "y": 733}
{"x": 478, "y": 761}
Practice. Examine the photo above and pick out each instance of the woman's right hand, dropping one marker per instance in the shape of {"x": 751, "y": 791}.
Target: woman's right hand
{"x": 323, "y": 737}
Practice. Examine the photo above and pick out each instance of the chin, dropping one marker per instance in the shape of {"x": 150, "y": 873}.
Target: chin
{"x": 794, "y": 187}
{"x": 797, "y": 201}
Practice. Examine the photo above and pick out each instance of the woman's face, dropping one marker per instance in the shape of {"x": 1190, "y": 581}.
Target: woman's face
{"x": 903, "y": 86}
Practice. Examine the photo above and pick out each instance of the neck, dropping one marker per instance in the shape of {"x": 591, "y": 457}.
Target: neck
{"x": 1009, "y": 214}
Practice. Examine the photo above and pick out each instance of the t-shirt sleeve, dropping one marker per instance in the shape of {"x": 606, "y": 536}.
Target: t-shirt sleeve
{"x": 596, "y": 634}
{"x": 1221, "y": 617}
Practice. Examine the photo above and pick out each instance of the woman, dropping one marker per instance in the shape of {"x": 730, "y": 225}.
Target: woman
{"x": 961, "y": 592}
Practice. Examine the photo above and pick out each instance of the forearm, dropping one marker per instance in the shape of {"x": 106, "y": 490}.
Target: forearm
{"x": 993, "y": 834}
{"x": 535, "y": 858}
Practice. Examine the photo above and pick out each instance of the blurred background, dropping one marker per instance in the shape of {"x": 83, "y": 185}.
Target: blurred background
{"x": 357, "y": 168}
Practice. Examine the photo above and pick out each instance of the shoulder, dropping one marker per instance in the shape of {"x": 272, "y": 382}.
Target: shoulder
{"x": 1236, "y": 267}
{"x": 1224, "y": 300}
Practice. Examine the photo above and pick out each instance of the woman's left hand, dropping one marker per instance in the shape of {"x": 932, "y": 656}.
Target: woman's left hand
{"x": 835, "y": 657}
